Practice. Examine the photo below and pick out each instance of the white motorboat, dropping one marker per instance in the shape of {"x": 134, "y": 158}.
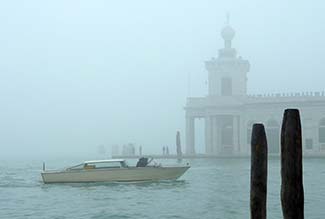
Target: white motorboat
{"x": 114, "y": 170}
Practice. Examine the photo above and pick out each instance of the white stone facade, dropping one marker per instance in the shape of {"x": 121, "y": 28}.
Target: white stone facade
{"x": 229, "y": 112}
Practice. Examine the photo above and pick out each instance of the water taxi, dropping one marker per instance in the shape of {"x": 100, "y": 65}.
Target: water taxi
{"x": 113, "y": 170}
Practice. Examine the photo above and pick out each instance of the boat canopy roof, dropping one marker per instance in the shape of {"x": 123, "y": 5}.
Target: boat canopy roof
{"x": 105, "y": 161}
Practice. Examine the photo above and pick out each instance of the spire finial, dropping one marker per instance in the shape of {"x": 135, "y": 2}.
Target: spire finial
{"x": 228, "y": 18}
{"x": 227, "y": 33}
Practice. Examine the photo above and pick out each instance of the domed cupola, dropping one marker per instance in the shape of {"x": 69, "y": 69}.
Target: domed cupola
{"x": 228, "y": 33}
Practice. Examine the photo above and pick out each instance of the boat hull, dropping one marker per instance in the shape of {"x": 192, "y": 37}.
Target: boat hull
{"x": 132, "y": 174}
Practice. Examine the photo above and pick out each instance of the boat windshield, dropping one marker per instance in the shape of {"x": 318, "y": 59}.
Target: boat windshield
{"x": 100, "y": 165}
{"x": 124, "y": 164}
{"x": 77, "y": 167}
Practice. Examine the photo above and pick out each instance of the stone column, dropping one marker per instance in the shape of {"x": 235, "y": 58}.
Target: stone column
{"x": 190, "y": 135}
{"x": 235, "y": 128}
{"x": 208, "y": 135}
{"x": 215, "y": 136}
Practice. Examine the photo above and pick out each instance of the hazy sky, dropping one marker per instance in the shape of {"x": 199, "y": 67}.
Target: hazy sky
{"x": 78, "y": 74}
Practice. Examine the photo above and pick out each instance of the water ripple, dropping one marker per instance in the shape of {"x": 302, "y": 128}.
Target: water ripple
{"x": 210, "y": 189}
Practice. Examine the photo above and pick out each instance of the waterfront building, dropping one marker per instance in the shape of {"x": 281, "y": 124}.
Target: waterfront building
{"x": 229, "y": 112}
{"x": 115, "y": 150}
{"x": 128, "y": 150}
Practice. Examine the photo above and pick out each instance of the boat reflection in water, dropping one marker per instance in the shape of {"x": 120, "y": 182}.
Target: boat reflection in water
{"x": 113, "y": 170}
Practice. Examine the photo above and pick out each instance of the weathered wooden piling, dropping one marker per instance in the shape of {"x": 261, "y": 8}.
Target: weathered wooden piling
{"x": 178, "y": 145}
{"x": 292, "y": 191}
{"x": 258, "y": 172}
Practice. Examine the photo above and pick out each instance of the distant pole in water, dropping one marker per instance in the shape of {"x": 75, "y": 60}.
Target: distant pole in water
{"x": 292, "y": 191}
{"x": 178, "y": 145}
{"x": 140, "y": 150}
{"x": 164, "y": 150}
{"x": 43, "y": 166}
{"x": 258, "y": 190}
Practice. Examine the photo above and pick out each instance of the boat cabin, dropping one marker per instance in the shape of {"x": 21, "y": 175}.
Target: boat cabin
{"x": 100, "y": 164}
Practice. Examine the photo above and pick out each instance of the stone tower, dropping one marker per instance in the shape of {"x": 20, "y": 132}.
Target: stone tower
{"x": 227, "y": 73}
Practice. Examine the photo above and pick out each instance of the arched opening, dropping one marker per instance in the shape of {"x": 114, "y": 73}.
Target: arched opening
{"x": 227, "y": 135}
{"x": 273, "y": 136}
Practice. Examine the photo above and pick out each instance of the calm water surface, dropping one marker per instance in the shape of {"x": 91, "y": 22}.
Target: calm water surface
{"x": 213, "y": 188}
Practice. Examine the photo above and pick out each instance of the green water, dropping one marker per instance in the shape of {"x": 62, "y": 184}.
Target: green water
{"x": 212, "y": 188}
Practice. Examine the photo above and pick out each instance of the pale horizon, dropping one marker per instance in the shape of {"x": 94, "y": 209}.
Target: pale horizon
{"x": 76, "y": 75}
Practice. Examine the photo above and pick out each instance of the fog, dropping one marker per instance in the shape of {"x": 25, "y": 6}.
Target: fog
{"x": 78, "y": 74}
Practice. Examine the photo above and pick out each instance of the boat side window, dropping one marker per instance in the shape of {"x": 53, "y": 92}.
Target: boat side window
{"x": 107, "y": 165}
{"x": 89, "y": 166}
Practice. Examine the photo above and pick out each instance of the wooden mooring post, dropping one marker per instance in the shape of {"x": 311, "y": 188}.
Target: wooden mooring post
{"x": 258, "y": 172}
{"x": 178, "y": 145}
{"x": 292, "y": 191}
